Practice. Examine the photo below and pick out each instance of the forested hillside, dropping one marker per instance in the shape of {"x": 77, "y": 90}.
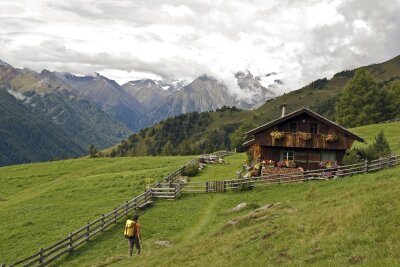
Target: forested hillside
{"x": 353, "y": 98}
{"x": 52, "y": 126}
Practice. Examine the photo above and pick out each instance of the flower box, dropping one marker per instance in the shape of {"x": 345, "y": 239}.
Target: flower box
{"x": 330, "y": 137}
{"x": 277, "y": 135}
{"x": 304, "y": 136}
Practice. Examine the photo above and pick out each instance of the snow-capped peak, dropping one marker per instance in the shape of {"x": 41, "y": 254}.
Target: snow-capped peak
{"x": 266, "y": 80}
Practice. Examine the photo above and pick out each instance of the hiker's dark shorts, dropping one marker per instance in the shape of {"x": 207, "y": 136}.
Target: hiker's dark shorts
{"x": 133, "y": 241}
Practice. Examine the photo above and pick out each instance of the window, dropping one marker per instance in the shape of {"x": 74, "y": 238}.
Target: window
{"x": 287, "y": 155}
{"x": 313, "y": 128}
{"x": 292, "y": 127}
{"x": 328, "y": 155}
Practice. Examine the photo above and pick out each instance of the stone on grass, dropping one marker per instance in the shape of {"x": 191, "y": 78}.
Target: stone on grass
{"x": 265, "y": 207}
{"x": 238, "y": 207}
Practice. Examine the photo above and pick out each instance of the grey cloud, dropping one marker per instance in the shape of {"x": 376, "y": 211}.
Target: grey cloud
{"x": 276, "y": 31}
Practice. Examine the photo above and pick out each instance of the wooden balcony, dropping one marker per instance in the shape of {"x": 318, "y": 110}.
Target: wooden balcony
{"x": 316, "y": 141}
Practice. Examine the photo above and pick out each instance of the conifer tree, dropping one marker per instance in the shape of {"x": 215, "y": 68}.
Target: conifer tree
{"x": 379, "y": 148}
{"x": 238, "y": 137}
{"x": 167, "y": 149}
{"x": 362, "y": 102}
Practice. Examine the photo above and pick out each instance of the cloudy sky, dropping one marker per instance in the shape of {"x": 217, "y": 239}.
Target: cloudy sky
{"x": 124, "y": 40}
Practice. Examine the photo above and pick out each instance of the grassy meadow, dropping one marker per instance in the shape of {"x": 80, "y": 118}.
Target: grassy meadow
{"x": 391, "y": 130}
{"x": 41, "y": 203}
{"x": 340, "y": 222}
{"x": 322, "y": 223}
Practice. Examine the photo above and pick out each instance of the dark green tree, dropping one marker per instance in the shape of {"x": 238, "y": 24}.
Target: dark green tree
{"x": 362, "y": 102}
{"x": 379, "y": 148}
{"x": 167, "y": 149}
{"x": 238, "y": 137}
{"x": 92, "y": 151}
{"x": 394, "y": 96}
{"x": 185, "y": 148}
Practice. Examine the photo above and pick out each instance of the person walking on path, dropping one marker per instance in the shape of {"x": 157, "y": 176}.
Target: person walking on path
{"x": 132, "y": 233}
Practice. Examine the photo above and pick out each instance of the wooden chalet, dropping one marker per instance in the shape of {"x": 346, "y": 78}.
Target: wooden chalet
{"x": 302, "y": 136}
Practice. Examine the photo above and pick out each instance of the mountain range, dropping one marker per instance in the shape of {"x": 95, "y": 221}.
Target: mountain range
{"x": 93, "y": 109}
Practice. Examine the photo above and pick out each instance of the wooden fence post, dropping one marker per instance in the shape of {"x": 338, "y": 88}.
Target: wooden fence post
{"x": 126, "y": 208}
{"x": 87, "y": 231}
{"x": 206, "y": 186}
{"x": 40, "y": 255}
{"x": 70, "y": 242}
{"x": 224, "y": 186}
{"x": 365, "y": 166}
{"x": 115, "y": 215}
{"x": 380, "y": 163}
{"x": 102, "y": 222}
{"x": 392, "y": 160}
{"x": 339, "y": 171}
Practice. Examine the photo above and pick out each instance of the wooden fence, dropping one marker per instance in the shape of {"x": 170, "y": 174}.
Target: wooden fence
{"x": 68, "y": 244}
{"x": 166, "y": 190}
{"x": 49, "y": 254}
{"x": 321, "y": 174}
{"x": 173, "y": 190}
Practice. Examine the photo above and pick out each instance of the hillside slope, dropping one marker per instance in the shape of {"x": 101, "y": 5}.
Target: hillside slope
{"x": 49, "y": 200}
{"x": 329, "y": 223}
{"x": 326, "y": 223}
{"x": 28, "y": 137}
{"x": 44, "y": 112}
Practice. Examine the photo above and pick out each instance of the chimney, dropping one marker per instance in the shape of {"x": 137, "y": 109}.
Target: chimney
{"x": 283, "y": 110}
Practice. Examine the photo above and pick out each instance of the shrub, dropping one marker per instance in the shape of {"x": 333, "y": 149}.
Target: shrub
{"x": 190, "y": 170}
{"x": 379, "y": 148}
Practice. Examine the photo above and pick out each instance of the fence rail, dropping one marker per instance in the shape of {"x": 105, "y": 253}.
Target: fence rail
{"x": 85, "y": 233}
{"x": 166, "y": 190}
{"x": 322, "y": 174}
{"x": 74, "y": 239}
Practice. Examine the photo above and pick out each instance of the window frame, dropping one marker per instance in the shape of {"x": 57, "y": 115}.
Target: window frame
{"x": 331, "y": 155}
{"x": 285, "y": 155}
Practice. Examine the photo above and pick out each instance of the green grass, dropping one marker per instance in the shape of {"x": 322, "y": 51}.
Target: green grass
{"x": 330, "y": 223}
{"x": 391, "y": 130}
{"x": 41, "y": 203}
{"x": 327, "y": 223}
{"x": 226, "y": 171}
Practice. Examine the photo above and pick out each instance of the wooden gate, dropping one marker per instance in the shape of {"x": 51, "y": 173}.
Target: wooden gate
{"x": 215, "y": 186}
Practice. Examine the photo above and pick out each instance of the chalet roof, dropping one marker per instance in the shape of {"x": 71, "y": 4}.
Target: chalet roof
{"x": 249, "y": 143}
{"x": 310, "y": 113}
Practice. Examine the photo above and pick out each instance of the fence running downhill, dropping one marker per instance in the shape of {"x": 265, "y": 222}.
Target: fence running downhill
{"x": 171, "y": 190}
{"x": 167, "y": 190}
{"x": 321, "y": 174}
{"x": 83, "y": 234}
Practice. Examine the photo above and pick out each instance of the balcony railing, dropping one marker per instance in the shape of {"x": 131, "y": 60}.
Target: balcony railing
{"x": 316, "y": 141}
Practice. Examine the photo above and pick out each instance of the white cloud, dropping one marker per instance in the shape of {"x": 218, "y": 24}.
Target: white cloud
{"x": 177, "y": 11}
{"x": 176, "y": 39}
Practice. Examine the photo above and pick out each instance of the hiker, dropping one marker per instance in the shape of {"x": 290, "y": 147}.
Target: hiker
{"x": 132, "y": 233}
